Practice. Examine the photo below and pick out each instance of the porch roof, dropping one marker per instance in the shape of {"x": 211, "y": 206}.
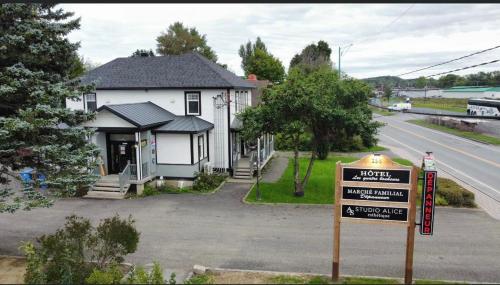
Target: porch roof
{"x": 142, "y": 115}
{"x": 185, "y": 124}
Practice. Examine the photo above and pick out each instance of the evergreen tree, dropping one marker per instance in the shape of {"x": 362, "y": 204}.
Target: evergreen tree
{"x": 37, "y": 62}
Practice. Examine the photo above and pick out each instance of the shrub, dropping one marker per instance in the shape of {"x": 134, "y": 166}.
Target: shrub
{"x": 200, "y": 279}
{"x": 139, "y": 275}
{"x": 207, "y": 182}
{"x": 71, "y": 253}
{"x": 112, "y": 275}
{"x": 149, "y": 191}
{"x": 455, "y": 195}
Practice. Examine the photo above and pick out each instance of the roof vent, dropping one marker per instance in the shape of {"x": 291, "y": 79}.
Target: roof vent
{"x": 252, "y": 77}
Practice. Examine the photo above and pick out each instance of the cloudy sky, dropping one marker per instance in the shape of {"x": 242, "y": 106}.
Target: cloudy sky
{"x": 388, "y": 39}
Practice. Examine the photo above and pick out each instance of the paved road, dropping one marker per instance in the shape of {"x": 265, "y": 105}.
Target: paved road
{"x": 218, "y": 230}
{"x": 473, "y": 164}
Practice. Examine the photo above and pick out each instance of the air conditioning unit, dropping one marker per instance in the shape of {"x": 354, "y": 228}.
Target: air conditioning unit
{"x": 208, "y": 168}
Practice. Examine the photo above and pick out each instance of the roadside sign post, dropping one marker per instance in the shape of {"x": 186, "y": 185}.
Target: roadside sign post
{"x": 429, "y": 187}
{"x": 375, "y": 190}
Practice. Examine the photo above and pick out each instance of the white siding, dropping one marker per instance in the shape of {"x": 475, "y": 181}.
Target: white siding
{"x": 173, "y": 148}
{"x": 75, "y": 105}
{"x": 107, "y": 119}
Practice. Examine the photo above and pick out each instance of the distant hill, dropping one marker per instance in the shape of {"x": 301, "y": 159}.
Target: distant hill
{"x": 392, "y": 81}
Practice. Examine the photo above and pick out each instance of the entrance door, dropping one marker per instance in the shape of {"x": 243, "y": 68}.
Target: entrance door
{"x": 120, "y": 154}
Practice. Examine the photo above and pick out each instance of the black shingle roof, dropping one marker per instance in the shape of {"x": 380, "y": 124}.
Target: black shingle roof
{"x": 185, "y": 124}
{"x": 141, "y": 115}
{"x": 189, "y": 70}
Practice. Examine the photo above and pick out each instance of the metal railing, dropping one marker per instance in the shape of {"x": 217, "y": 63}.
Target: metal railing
{"x": 133, "y": 171}
{"x": 124, "y": 177}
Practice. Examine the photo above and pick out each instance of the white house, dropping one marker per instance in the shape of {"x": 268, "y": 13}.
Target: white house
{"x": 167, "y": 117}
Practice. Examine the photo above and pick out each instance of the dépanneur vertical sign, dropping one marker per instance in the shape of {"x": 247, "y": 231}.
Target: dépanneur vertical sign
{"x": 428, "y": 195}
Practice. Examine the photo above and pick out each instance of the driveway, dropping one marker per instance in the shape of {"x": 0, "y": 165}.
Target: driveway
{"x": 180, "y": 230}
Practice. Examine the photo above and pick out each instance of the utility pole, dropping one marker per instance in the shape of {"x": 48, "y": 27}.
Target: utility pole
{"x": 340, "y": 74}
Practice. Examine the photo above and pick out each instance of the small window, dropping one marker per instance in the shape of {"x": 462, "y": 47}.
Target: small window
{"x": 201, "y": 147}
{"x": 193, "y": 103}
{"x": 90, "y": 102}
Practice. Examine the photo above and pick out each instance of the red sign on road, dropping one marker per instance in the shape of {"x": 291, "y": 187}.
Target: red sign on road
{"x": 428, "y": 199}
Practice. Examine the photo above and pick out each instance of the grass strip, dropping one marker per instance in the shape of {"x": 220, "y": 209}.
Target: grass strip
{"x": 464, "y": 134}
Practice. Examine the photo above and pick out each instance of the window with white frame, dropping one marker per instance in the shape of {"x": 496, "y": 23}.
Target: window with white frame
{"x": 90, "y": 102}
{"x": 193, "y": 104}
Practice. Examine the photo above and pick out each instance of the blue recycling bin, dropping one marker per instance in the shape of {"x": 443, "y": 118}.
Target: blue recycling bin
{"x": 27, "y": 177}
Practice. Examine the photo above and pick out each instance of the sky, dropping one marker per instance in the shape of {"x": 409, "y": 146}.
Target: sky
{"x": 384, "y": 39}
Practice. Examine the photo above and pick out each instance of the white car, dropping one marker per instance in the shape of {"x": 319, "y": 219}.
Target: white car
{"x": 400, "y": 107}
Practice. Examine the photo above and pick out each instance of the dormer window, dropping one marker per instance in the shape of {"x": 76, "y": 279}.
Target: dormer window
{"x": 90, "y": 102}
{"x": 193, "y": 103}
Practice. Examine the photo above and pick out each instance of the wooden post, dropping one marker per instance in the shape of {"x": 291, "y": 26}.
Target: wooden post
{"x": 410, "y": 238}
{"x": 336, "y": 223}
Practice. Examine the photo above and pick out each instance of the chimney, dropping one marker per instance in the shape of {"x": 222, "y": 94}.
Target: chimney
{"x": 252, "y": 77}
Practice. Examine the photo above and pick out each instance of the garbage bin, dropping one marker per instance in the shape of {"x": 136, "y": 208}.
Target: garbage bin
{"x": 26, "y": 175}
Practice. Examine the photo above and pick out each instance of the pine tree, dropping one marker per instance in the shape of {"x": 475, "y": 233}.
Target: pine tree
{"x": 36, "y": 129}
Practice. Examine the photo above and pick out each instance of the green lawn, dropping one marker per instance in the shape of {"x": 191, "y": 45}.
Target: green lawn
{"x": 465, "y": 134}
{"x": 382, "y": 112}
{"x": 446, "y": 104}
{"x": 319, "y": 190}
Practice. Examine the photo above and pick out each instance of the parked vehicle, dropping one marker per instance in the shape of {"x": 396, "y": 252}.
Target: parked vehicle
{"x": 400, "y": 107}
{"x": 483, "y": 107}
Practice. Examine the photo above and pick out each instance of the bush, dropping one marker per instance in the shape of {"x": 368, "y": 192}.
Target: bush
{"x": 72, "y": 253}
{"x": 149, "y": 191}
{"x": 207, "y": 182}
{"x": 112, "y": 275}
{"x": 139, "y": 276}
{"x": 455, "y": 195}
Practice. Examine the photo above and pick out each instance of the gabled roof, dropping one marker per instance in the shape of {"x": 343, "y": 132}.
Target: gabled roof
{"x": 185, "y": 124}
{"x": 141, "y": 115}
{"x": 189, "y": 70}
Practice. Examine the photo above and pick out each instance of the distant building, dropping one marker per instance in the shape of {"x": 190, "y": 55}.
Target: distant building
{"x": 418, "y": 92}
{"x": 472, "y": 92}
{"x": 257, "y": 92}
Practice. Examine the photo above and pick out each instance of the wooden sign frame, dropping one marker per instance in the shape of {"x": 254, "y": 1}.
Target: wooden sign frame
{"x": 376, "y": 162}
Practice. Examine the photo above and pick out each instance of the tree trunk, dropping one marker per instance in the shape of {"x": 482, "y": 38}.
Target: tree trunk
{"x": 309, "y": 170}
{"x": 299, "y": 190}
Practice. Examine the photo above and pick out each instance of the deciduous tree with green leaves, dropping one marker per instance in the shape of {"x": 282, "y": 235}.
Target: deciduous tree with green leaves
{"x": 255, "y": 59}
{"x": 315, "y": 102}
{"x": 143, "y": 53}
{"x": 179, "y": 39}
{"x": 313, "y": 57}
{"x": 37, "y": 63}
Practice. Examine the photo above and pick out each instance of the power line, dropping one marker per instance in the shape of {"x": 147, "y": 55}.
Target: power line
{"x": 467, "y": 67}
{"x": 388, "y": 25}
{"x": 462, "y": 57}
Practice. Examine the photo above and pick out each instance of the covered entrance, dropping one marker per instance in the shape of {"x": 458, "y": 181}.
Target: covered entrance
{"x": 121, "y": 150}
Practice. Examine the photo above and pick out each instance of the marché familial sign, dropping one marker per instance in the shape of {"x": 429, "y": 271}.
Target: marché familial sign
{"x": 401, "y": 176}
{"x": 375, "y": 194}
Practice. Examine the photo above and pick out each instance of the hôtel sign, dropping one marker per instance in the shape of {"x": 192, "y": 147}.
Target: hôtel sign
{"x": 375, "y": 190}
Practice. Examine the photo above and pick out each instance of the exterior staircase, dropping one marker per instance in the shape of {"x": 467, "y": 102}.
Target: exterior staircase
{"x": 242, "y": 170}
{"x": 108, "y": 187}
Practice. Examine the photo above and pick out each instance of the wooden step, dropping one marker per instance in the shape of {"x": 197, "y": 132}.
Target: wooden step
{"x": 109, "y": 189}
{"x": 107, "y": 184}
{"x": 104, "y": 195}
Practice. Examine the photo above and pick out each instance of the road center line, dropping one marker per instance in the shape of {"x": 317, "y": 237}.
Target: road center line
{"x": 448, "y": 147}
{"x": 492, "y": 148}
{"x": 450, "y": 167}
